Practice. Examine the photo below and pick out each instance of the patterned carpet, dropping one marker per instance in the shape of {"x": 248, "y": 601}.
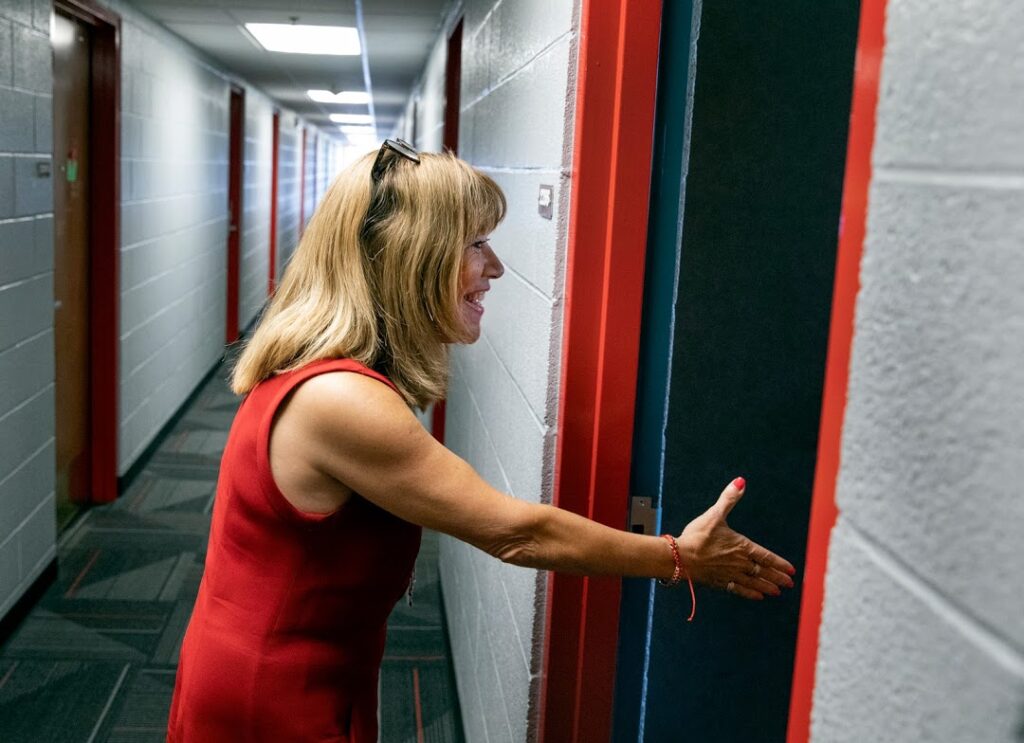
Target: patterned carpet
{"x": 95, "y": 660}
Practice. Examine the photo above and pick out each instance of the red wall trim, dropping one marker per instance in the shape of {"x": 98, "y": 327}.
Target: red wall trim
{"x": 615, "y": 104}
{"x": 104, "y": 242}
{"x": 272, "y": 278}
{"x": 870, "y": 46}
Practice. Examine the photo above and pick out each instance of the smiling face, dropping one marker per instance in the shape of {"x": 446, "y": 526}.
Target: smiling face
{"x": 479, "y": 266}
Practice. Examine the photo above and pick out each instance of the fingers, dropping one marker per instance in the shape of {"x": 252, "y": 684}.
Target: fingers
{"x": 729, "y": 498}
{"x": 768, "y": 559}
{"x": 758, "y": 585}
{"x": 738, "y": 589}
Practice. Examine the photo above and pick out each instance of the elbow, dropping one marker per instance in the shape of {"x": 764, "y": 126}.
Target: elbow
{"x": 519, "y": 544}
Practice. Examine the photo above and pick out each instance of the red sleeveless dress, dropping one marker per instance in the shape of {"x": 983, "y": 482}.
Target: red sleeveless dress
{"x": 287, "y": 635}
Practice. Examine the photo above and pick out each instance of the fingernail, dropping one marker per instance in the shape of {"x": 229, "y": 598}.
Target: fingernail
{"x": 740, "y": 483}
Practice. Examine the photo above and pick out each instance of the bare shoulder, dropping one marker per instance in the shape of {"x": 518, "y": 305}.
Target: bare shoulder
{"x": 348, "y": 411}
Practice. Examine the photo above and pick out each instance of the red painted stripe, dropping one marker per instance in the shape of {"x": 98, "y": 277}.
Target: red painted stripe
{"x": 73, "y": 588}
{"x": 419, "y": 707}
{"x": 618, "y": 64}
{"x": 870, "y": 47}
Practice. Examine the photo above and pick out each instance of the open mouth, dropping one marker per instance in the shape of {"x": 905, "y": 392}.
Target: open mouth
{"x": 475, "y": 301}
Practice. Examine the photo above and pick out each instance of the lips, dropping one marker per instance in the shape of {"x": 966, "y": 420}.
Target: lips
{"x": 475, "y": 301}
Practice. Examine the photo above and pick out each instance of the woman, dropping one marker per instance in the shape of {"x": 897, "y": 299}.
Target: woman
{"x": 327, "y": 475}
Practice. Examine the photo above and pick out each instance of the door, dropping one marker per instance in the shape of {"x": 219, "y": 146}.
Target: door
{"x": 72, "y": 72}
{"x": 743, "y": 231}
{"x": 235, "y": 152}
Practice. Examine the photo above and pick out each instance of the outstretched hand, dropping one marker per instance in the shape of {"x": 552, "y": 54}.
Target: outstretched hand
{"x": 719, "y": 557}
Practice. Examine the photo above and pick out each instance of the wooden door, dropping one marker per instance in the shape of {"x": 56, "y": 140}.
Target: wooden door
{"x": 72, "y": 54}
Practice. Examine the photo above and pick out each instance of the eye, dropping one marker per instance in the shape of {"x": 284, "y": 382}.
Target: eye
{"x": 478, "y": 245}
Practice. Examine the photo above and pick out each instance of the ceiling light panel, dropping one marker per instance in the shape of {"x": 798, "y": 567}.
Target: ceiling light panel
{"x": 291, "y": 38}
{"x": 351, "y": 118}
{"x": 346, "y": 96}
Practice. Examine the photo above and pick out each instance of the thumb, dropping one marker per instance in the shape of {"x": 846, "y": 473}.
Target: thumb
{"x": 730, "y": 497}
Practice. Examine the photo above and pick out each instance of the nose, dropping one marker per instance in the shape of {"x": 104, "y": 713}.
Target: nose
{"x": 495, "y": 269}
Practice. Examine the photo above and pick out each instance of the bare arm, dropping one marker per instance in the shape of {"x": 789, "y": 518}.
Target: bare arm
{"x": 359, "y": 432}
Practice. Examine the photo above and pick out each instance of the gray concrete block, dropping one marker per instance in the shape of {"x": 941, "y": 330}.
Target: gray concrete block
{"x": 535, "y": 137}
{"x": 10, "y": 569}
{"x": 25, "y": 369}
{"x": 18, "y": 259}
{"x": 42, "y": 236}
{"x": 896, "y": 665}
{"x": 18, "y": 11}
{"x": 41, "y": 15}
{"x": 27, "y": 309}
{"x": 6, "y": 55}
{"x": 932, "y": 438}
{"x": 16, "y": 121}
{"x": 525, "y": 241}
{"x": 43, "y": 124}
{"x": 6, "y": 186}
{"x": 33, "y": 192}
{"x": 37, "y": 538}
{"x": 26, "y": 429}
{"x": 952, "y": 91}
{"x": 24, "y": 488}
{"x": 33, "y": 63}
{"x": 518, "y": 324}
{"x": 522, "y": 30}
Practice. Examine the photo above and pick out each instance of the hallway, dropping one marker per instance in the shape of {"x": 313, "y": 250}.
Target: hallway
{"x": 95, "y": 659}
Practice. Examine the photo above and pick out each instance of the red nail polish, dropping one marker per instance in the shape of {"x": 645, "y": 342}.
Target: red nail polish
{"x": 740, "y": 483}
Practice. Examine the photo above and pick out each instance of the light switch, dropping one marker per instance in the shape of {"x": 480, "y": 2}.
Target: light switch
{"x": 545, "y": 201}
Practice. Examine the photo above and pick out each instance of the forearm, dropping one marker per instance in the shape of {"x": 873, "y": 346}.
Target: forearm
{"x": 566, "y": 542}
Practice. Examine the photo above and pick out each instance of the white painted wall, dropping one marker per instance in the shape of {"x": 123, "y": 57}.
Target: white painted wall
{"x": 174, "y": 155}
{"x": 27, "y": 455}
{"x": 516, "y": 122}
{"x": 174, "y": 160}
{"x": 257, "y": 175}
{"x": 289, "y": 146}
{"x": 922, "y": 638}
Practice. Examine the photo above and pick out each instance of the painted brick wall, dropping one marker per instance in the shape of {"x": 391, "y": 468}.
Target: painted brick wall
{"x": 289, "y": 145}
{"x": 257, "y": 172}
{"x": 174, "y": 150}
{"x": 27, "y": 455}
{"x": 517, "y": 94}
{"x": 921, "y": 635}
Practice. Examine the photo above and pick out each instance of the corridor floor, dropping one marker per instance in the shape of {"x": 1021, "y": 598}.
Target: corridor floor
{"x": 95, "y": 660}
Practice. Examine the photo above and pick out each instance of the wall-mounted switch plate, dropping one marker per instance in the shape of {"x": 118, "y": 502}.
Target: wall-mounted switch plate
{"x": 545, "y": 201}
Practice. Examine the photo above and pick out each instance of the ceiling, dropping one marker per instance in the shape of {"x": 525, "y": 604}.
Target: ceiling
{"x": 399, "y": 35}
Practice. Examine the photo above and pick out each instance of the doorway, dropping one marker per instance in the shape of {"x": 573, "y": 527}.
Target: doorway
{"x": 741, "y": 261}
{"x": 86, "y": 85}
{"x": 236, "y": 149}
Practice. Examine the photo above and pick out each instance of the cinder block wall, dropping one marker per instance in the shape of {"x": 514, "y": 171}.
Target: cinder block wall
{"x": 174, "y": 161}
{"x": 27, "y": 455}
{"x": 257, "y": 173}
{"x": 922, "y": 638}
{"x": 516, "y": 122}
{"x": 289, "y": 144}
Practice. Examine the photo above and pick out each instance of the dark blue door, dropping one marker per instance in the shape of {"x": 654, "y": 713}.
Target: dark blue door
{"x": 750, "y": 142}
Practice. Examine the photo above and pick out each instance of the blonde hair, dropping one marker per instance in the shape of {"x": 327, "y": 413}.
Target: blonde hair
{"x": 387, "y": 294}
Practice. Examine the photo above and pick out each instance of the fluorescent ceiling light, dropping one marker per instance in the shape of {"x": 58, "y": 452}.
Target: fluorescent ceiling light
{"x": 297, "y": 39}
{"x": 346, "y": 96}
{"x": 347, "y": 129}
{"x": 351, "y": 118}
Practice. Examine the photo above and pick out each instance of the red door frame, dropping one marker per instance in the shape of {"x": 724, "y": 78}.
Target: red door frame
{"x": 611, "y": 174}
{"x": 272, "y": 277}
{"x": 235, "y": 150}
{"x": 867, "y": 69}
{"x": 452, "y": 88}
{"x": 104, "y": 242}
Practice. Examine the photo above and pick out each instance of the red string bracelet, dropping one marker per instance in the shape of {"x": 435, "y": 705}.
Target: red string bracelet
{"x": 677, "y": 573}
